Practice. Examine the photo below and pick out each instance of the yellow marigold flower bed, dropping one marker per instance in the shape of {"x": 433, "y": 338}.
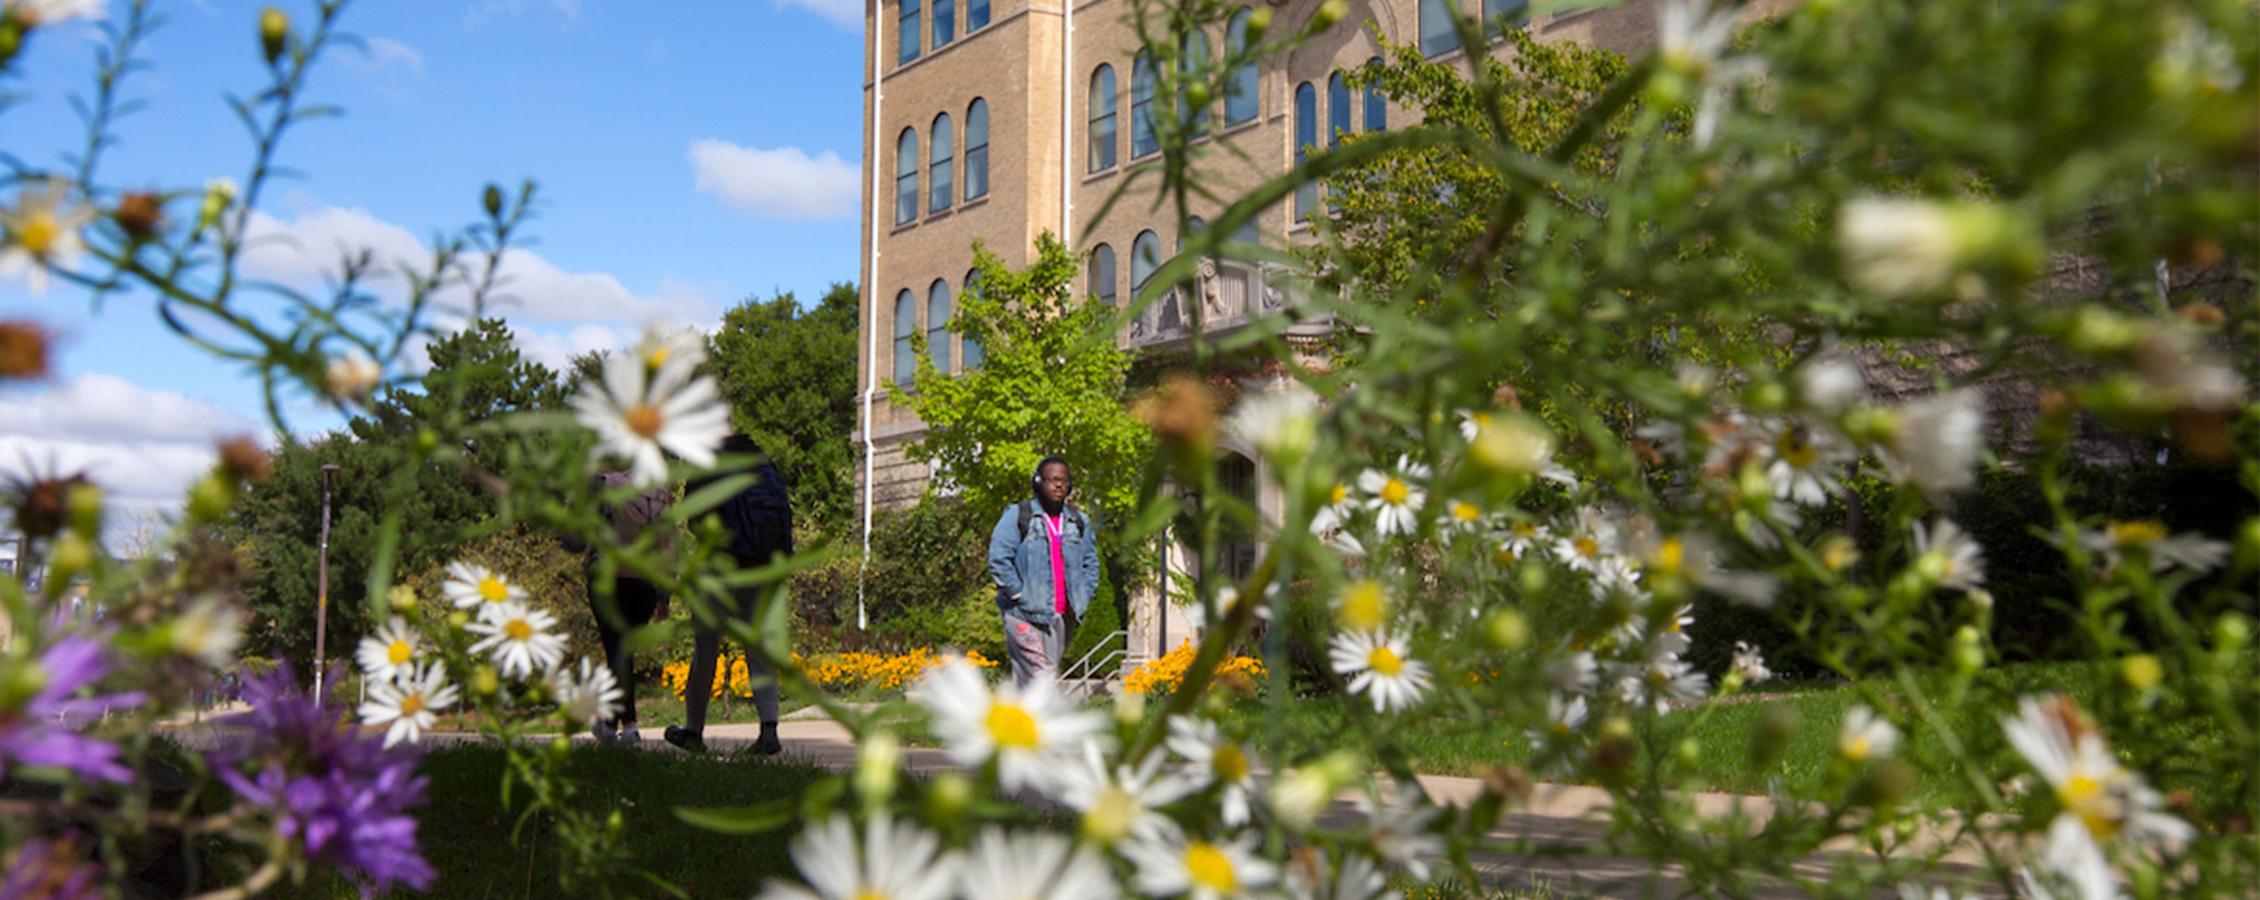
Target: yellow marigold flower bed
{"x": 1164, "y": 673}
{"x": 854, "y": 669}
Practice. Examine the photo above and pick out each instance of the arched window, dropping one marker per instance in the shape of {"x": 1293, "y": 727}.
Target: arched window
{"x": 977, "y": 149}
{"x": 906, "y": 177}
{"x": 938, "y": 325}
{"x": 1142, "y": 140}
{"x": 1306, "y": 137}
{"x": 906, "y": 35}
{"x": 945, "y": 22}
{"x": 1240, "y": 90}
{"x": 1193, "y": 226}
{"x": 1437, "y": 33}
{"x": 906, "y": 324}
{"x": 1102, "y": 274}
{"x": 1193, "y": 63}
{"x": 1102, "y": 118}
{"x": 972, "y": 352}
{"x": 941, "y": 188}
{"x": 1337, "y": 109}
{"x": 1376, "y": 106}
{"x": 1506, "y": 14}
{"x": 976, "y": 15}
{"x": 1145, "y": 257}
{"x": 1236, "y": 553}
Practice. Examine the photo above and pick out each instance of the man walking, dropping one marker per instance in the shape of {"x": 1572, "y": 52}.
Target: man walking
{"x": 1044, "y": 558}
{"x": 636, "y": 601}
{"x": 760, "y": 522}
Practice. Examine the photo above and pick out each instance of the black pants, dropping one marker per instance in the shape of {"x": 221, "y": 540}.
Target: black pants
{"x": 705, "y": 666}
{"x": 637, "y": 599}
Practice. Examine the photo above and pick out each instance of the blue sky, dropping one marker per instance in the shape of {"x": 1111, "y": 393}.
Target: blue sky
{"x": 689, "y": 154}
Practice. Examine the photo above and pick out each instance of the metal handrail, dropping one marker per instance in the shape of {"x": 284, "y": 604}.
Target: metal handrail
{"x": 1079, "y": 664}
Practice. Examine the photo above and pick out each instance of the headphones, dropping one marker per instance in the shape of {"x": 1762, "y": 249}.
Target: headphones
{"x": 1036, "y": 479}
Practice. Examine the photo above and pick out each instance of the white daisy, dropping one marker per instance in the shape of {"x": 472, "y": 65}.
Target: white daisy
{"x": 1520, "y": 539}
{"x": 1947, "y": 555}
{"x": 1399, "y": 829}
{"x": 1895, "y": 247}
{"x": 475, "y": 587}
{"x": 1512, "y": 444}
{"x": 35, "y": 13}
{"x": 1217, "y": 760}
{"x": 1340, "y": 506}
{"x": 410, "y": 703}
{"x": 1830, "y": 381}
{"x": 1938, "y": 442}
{"x": 1576, "y": 673}
{"x": 895, "y": 861}
{"x": 1280, "y": 424}
{"x": 1807, "y": 464}
{"x": 351, "y": 376}
{"x": 520, "y": 640}
{"x": 590, "y": 694}
{"x": 2098, "y": 800}
{"x": 390, "y": 652}
{"x": 1034, "y": 731}
{"x": 1565, "y": 714}
{"x": 1034, "y": 866}
{"x": 1750, "y": 664}
{"x": 1201, "y": 869}
{"x": 1462, "y": 519}
{"x": 654, "y": 402}
{"x": 1590, "y": 541}
{"x": 1697, "y": 558}
{"x": 1121, "y": 801}
{"x": 2164, "y": 549}
{"x": 1660, "y": 683}
{"x": 1308, "y": 877}
{"x": 1376, "y": 664}
{"x": 1395, "y": 500}
{"x": 1692, "y": 40}
{"x": 41, "y": 233}
{"x": 209, "y": 631}
{"x": 1866, "y": 736}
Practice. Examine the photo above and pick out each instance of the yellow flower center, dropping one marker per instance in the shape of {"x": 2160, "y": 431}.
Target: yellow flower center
{"x": 1503, "y": 556}
{"x": 2083, "y": 795}
{"x": 868, "y": 894}
{"x": 411, "y": 705}
{"x": 1364, "y": 606}
{"x": 518, "y": 629}
{"x": 1230, "y": 764}
{"x": 1395, "y": 493}
{"x": 1670, "y": 556}
{"x": 1466, "y": 512}
{"x": 1341, "y": 493}
{"x": 38, "y": 233}
{"x": 1111, "y": 815}
{"x": 1526, "y": 529}
{"x": 1856, "y": 748}
{"x": 1384, "y": 661}
{"x": 656, "y": 356}
{"x": 1011, "y": 726}
{"x": 1586, "y": 547}
{"x": 399, "y": 652}
{"x": 1210, "y": 868}
{"x": 1795, "y": 450}
{"x": 2129, "y": 535}
{"x": 644, "y": 420}
{"x": 493, "y": 590}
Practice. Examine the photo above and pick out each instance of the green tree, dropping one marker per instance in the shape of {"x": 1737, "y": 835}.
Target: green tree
{"x": 384, "y": 462}
{"x": 1052, "y": 381}
{"x": 789, "y": 376}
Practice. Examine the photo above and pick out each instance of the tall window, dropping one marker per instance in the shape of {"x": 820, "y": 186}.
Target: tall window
{"x": 906, "y": 177}
{"x": 1376, "y": 106}
{"x": 977, "y": 149}
{"x": 1192, "y": 64}
{"x": 1145, "y": 257}
{"x": 945, "y": 22}
{"x": 1193, "y": 226}
{"x": 906, "y": 324}
{"x": 972, "y": 351}
{"x": 938, "y": 325}
{"x": 1505, "y": 14}
{"x": 940, "y": 147}
{"x": 1236, "y": 553}
{"x": 1437, "y": 33}
{"x": 1102, "y": 274}
{"x": 976, "y": 15}
{"x": 1102, "y": 119}
{"x": 1248, "y": 234}
{"x": 1337, "y": 109}
{"x": 1240, "y": 90}
{"x": 907, "y": 34}
{"x": 1306, "y": 137}
{"x": 1142, "y": 139}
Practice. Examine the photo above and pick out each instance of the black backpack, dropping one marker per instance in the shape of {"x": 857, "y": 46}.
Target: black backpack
{"x": 1028, "y": 510}
{"x": 760, "y": 518}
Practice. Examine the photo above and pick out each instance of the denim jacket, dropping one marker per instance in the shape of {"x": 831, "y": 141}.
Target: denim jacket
{"x": 1022, "y": 565}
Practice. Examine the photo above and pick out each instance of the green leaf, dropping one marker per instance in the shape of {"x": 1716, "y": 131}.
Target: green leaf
{"x": 707, "y": 498}
{"x": 760, "y": 818}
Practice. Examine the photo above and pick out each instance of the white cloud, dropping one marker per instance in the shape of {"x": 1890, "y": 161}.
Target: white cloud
{"x": 385, "y": 53}
{"x": 483, "y": 11}
{"x": 303, "y": 250}
{"x": 144, "y": 446}
{"x": 844, "y": 13}
{"x": 785, "y": 183}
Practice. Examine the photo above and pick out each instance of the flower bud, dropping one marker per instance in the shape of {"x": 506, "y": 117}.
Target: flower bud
{"x": 560, "y": 745}
{"x": 484, "y": 681}
{"x": 1197, "y": 96}
{"x": 1689, "y": 751}
{"x": 458, "y": 620}
{"x": 84, "y": 500}
{"x": 2248, "y": 544}
{"x": 71, "y": 556}
{"x": 1129, "y": 709}
{"x": 2233, "y": 632}
{"x": 1886, "y": 784}
{"x": 877, "y": 764}
{"x": 351, "y": 377}
{"x": 1182, "y": 413}
{"x": 219, "y": 195}
{"x": 2142, "y": 672}
{"x": 243, "y": 459}
{"x": 1506, "y": 630}
{"x": 1968, "y": 650}
{"x": 1838, "y": 553}
{"x": 401, "y": 598}
{"x": 140, "y": 215}
{"x": 491, "y": 200}
{"x": 1259, "y": 21}
{"x": 23, "y": 350}
{"x": 274, "y": 32}
{"x": 2099, "y": 332}
{"x": 210, "y": 497}
{"x": 947, "y": 797}
{"x": 1329, "y": 13}
{"x": 1511, "y": 445}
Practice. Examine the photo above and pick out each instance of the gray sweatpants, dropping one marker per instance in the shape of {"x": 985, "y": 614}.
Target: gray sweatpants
{"x": 706, "y": 652}
{"x": 1036, "y": 649}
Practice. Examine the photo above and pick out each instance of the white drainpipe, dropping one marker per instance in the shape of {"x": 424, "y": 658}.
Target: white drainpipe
{"x": 871, "y": 297}
{"x": 1067, "y": 128}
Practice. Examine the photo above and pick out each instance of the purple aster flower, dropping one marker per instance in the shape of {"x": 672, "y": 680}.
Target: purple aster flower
{"x": 45, "y": 730}
{"x": 339, "y": 794}
{"x": 51, "y": 870}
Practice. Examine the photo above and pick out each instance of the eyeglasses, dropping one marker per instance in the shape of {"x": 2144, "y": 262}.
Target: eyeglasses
{"x": 1054, "y": 479}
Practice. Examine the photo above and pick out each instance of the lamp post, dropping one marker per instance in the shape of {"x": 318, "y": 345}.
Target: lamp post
{"x": 322, "y": 585}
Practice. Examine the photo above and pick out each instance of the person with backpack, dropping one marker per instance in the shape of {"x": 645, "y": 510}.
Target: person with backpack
{"x": 1044, "y": 558}
{"x": 636, "y": 601}
{"x": 759, "y": 521}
